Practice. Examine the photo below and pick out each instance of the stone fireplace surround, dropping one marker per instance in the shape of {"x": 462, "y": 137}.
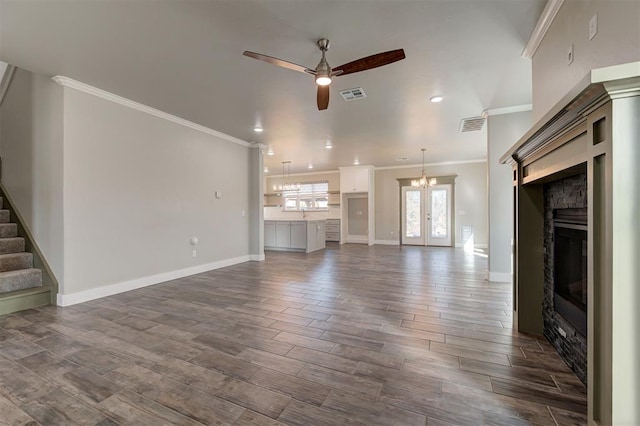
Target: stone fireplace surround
{"x": 569, "y": 192}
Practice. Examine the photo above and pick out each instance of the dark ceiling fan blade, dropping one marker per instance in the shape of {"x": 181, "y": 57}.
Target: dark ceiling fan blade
{"x": 323, "y": 97}
{"x": 370, "y": 62}
{"x": 278, "y": 62}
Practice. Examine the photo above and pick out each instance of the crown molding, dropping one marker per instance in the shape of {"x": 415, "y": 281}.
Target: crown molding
{"x": 103, "y": 94}
{"x": 544, "y": 23}
{"x": 404, "y": 166}
{"x": 444, "y": 163}
{"x": 5, "y": 80}
{"x": 506, "y": 110}
{"x": 279, "y": 175}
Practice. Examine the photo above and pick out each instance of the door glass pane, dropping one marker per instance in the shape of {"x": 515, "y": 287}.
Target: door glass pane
{"x": 413, "y": 219}
{"x": 439, "y": 213}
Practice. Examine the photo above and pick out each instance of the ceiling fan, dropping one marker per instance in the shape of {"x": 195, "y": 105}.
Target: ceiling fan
{"x": 324, "y": 73}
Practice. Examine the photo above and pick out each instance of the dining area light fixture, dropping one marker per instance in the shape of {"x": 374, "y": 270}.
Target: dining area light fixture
{"x": 286, "y": 174}
{"x": 424, "y": 181}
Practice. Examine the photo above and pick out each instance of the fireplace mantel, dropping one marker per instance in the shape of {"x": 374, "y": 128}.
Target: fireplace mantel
{"x": 597, "y": 127}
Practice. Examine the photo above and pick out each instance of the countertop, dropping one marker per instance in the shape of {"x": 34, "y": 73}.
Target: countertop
{"x": 295, "y": 220}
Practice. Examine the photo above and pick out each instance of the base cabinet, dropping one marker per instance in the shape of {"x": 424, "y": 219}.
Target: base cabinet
{"x": 333, "y": 230}
{"x": 300, "y": 235}
{"x": 283, "y": 234}
{"x": 269, "y": 234}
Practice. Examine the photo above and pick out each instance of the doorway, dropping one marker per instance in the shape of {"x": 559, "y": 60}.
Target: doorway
{"x": 427, "y": 215}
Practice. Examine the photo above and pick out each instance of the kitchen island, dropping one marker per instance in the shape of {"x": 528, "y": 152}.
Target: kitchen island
{"x": 302, "y": 235}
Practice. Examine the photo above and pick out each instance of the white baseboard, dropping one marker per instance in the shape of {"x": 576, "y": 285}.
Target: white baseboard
{"x": 109, "y": 290}
{"x": 500, "y": 277}
{"x": 257, "y": 257}
{"x": 356, "y": 239}
{"x": 388, "y": 242}
{"x": 478, "y": 246}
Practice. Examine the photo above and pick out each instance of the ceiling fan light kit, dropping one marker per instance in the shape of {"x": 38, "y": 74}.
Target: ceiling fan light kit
{"x": 324, "y": 73}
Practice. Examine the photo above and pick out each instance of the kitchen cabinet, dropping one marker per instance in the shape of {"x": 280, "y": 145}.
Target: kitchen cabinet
{"x": 283, "y": 234}
{"x": 332, "y": 230}
{"x": 355, "y": 179}
{"x": 294, "y": 235}
{"x": 269, "y": 234}
{"x": 298, "y": 235}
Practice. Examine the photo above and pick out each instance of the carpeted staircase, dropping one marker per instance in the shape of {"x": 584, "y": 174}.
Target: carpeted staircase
{"x": 16, "y": 266}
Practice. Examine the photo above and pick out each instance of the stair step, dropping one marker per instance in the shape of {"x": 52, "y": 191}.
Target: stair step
{"x": 15, "y": 261}
{"x": 11, "y": 245}
{"x": 8, "y": 230}
{"x": 5, "y": 216}
{"x": 20, "y": 280}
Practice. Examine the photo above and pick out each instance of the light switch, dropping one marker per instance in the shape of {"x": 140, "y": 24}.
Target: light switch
{"x": 218, "y": 194}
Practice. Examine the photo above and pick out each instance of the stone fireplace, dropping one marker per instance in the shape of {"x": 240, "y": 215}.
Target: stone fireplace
{"x": 564, "y": 305}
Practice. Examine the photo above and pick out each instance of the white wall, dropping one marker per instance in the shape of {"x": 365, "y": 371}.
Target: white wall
{"x": 31, "y": 150}
{"x": 503, "y": 131}
{"x": 138, "y": 187}
{"x": 470, "y": 198}
{"x": 617, "y": 42}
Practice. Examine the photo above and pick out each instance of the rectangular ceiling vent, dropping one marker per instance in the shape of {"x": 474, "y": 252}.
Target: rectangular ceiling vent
{"x": 471, "y": 124}
{"x": 353, "y": 94}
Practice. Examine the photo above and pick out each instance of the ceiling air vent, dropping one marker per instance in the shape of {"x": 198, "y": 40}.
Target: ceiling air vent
{"x": 471, "y": 124}
{"x": 353, "y": 94}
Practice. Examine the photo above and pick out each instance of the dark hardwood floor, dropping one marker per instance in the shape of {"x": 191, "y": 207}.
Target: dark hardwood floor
{"x": 348, "y": 335}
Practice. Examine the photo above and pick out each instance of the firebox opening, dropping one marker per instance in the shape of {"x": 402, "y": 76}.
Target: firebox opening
{"x": 570, "y": 266}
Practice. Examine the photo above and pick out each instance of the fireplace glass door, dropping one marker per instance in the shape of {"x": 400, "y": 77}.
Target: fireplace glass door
{"x": 570, "y": 273}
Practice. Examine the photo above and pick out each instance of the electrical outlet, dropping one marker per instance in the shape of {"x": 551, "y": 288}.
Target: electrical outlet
{"x": 593, "y": 26}
{"x": 570, "y": 55}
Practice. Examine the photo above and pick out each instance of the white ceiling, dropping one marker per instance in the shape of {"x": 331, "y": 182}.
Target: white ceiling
{"x": 185, "y": 58}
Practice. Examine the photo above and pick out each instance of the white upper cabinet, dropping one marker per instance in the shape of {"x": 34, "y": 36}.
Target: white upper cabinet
{"x": 355, "y": 179}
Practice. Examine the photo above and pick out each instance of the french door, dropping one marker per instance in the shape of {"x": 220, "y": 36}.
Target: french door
{"x": 426, "y": 215}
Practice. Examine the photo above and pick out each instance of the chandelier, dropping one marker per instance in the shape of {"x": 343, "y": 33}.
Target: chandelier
{"x": 288, "y": 186}
{"x": 423, "y": 182}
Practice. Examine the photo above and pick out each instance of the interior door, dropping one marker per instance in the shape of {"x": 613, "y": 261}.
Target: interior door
{"x": 412, "y": 216}
{"x": 438, "y": 215}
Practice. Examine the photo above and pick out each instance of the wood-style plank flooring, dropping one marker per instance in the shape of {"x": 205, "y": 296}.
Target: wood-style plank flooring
{"x": 352, "y": 334}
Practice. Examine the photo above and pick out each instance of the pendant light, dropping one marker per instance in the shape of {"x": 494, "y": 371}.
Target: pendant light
{"x": 287, "y": 186}
{"x": 423, "y": 182}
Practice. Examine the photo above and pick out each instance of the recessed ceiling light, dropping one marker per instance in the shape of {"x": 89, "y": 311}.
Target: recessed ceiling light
{"x": 436, "y": 99}
{"x": 270, "y": 151}
{"x": 310, "y": 166}
{"x": 266, "y": 170}
{"x": 328, "y": 145}
{"x": 356, "y": 162}
{"x": 258, "y": 129}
